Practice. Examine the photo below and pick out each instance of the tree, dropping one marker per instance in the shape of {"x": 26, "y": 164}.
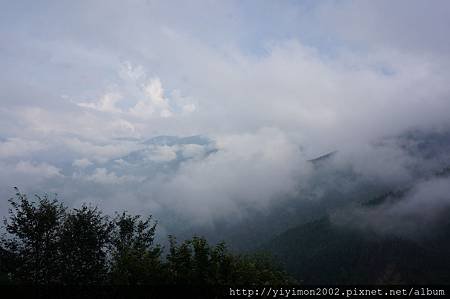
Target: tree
{"x": 84, "y": 240}
{"x": 179, "y": 262}
{"x": 196, "y": 262}
{"x": 258, "y": 269}
{"x": 45, "y": 243}
{"x": 135, "y": 259}
{"x": 33, "y": 229}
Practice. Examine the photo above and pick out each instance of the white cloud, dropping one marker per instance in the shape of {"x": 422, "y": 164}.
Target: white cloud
{"x": 18, "y": 147}
{"x": 46, "y": 124}
{"x": 107, "y": 103}
{"x": 188, "y": 108}
{"x": 154, "y": 102}
{"x": 320, "y": 81}
{"x": 162, "y": 153}
{"x": 248, "y": 170}
{"x": 82, "y": 163}
{"x": 145, "y": 98}
{"x": 192, "y": 151}
{"x": 128, "y": 71}
{"x": 100, "y": 152}
{"x": 420, "y": 210}
{"x": 385, "y": 23}
{"x": 44, "y": 170}
{"x": 103, "y": 176}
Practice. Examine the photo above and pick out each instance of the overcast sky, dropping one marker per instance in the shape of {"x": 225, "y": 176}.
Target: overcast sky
{"x": 273, "y": 83}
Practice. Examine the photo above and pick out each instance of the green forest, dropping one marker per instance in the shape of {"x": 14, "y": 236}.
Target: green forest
{"x": 46, "y": 243}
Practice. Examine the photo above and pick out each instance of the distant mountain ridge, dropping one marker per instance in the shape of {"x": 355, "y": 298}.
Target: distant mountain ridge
{"x": 171, "y": 140}
{"x": 323, "y": 252}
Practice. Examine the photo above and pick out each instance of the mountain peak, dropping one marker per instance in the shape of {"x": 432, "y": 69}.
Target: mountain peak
{"x": 170, "y": 140}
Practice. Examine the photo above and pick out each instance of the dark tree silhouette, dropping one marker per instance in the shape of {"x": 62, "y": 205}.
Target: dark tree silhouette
{"x": 196, "y": 262}
{"x": 135, "y": 259}
{"x": 84, "y": 239}
{"x": 33, "y": 236}
{"x": 45, "y": 243}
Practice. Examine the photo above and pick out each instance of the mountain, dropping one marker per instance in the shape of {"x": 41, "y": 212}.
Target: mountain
{"x": 150, "y": 158}
{"x": 322, "y": 252}
{"x": 175, "y": 140}
{"x": 327, "y": 251}
{"x": 323, "y": 158}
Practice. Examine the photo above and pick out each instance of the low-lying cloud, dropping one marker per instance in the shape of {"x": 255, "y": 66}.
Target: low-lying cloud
{"x": 78, "y": 104}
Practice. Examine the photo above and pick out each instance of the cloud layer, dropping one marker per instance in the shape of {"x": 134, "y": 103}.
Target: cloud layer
{"x": 272, "y": 84}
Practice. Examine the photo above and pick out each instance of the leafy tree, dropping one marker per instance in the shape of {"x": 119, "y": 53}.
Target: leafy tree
{"x": 258, "y": 269}
{"x": 45, "y": 243}
{"x": 33, "y": 229}
{"x": 179, "y": 262}
{"x": 83, "y": 244}
{"x": 196, "y": 262}
{"x": 135, "y": 259}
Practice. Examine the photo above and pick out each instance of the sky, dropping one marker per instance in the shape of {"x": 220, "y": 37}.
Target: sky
{"x": 272, "y": 84}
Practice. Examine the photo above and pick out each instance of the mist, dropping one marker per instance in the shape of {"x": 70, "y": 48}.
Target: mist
{"x": 86, "y": 86}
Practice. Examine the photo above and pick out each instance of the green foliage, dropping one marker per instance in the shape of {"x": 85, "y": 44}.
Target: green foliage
{"x": 196, "y": 262}
{"x": 84, "y": 238}
{"x": 320, "y": 252}
{"x": 33, "y": 230}
{"x": 45, "y": 243}
{"x": 259, "y": 269}
{"x": 135, "y": 260}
